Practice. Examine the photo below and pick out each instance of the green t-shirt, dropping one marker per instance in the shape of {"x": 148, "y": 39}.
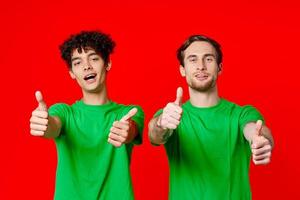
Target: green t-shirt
{"x": 88, "y": 166}
{"x": 208, "y": 153}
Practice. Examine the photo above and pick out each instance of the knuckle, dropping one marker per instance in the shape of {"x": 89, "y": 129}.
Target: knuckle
{"x": 169, "y": 105}
{"x": 268, "y": 147}
{"x": 122, "y": 140}
{"x": 180, "y": 109}
{"x": 254, "y": 161}
{"x": 118, "y": 144}
{"x": 33, "y": 113}
{"x": 44, "y": 128}
{"x": 125, "y": 133}
{"x": 32, "y": 132}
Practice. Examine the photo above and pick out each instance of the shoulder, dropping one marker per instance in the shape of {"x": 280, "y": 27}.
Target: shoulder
{"x": 59, "y": 107}
{"x": 126, "y": 108}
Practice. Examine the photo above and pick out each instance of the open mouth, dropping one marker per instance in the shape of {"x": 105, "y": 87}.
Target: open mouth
{"x": 90, "y": 77}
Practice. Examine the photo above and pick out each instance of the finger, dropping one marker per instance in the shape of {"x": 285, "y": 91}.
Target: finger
{"x": 119, "y": 132}
{"x": 39, "y": 97}
{"x": 173, "y": 121}
{"x": 265, "y": 149}
{"x": 40, "y": 114}
{"x": 130, "y": 114}
{"x": 113, "y": 142}
{"x": 262, "y": 162}
{"x": 258, "y": 127}
{"x": 259, "y": 142}
{"x": 38, "y": 120}
{"x": 116, "y": 137}
{"x": 172, "y": 107}
{"x": 38, "y": 127}
{"x": 171, "y": 126}
{"x": 174, "y": 115}
{"x": 121, "y": 125}
{"x": 37, "y": 133}
{"x": 262, "y": 156}
{"x": 179, "y": 94}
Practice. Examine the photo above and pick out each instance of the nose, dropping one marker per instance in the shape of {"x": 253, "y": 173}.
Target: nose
{"x": 87, "y": 66}
{"x": 201, "y": 65}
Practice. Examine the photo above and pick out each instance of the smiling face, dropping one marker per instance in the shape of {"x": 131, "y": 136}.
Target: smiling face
{"x": 89, "y": 70}
{"x": 200, "y": 66}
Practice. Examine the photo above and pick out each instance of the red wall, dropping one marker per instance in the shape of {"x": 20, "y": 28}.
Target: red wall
{"x": 261, "y": 67}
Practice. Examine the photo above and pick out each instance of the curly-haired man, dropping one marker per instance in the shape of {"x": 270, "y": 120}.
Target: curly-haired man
{"x": 94, "y": 136}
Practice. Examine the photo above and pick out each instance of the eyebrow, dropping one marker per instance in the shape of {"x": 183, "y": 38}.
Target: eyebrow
{"x": 76, "y": 58}
{"x": 90, "y": 54}
{"x": 191, "y": 56}
{"x": 209, "y": 54}
{"x": 93, "y": 54}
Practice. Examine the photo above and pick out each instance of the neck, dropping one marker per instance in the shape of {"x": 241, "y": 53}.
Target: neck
{"x": 95, "y": 98}
{"x": 204, "y": 99}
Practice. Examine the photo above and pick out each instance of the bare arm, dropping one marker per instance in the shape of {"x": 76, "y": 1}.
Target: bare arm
{"x": 156, "y": 133}
{"x": 54, "y": 127}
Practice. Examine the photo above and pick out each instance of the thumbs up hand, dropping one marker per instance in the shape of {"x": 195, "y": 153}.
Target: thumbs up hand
{"x": 123, "y": 131}
{"x": 260, "y": 146}
{"x": 171, "y": 115}
{"x": 39, "y": 117}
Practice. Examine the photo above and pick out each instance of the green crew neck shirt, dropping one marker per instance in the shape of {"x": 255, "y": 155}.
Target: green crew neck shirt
{"x": 208, "y": 154}
{"x": 88, "y": 166}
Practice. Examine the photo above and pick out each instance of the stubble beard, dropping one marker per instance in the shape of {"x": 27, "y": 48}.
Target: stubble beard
{"x": 203, "y": 87}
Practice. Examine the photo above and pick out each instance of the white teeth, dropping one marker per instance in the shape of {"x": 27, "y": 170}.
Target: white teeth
{"x": 90, "y": 76}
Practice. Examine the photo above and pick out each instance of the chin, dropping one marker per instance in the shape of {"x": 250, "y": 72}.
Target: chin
{"x": 203, "y": 87}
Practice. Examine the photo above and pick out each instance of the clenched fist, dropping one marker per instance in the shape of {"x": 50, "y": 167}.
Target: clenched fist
{"x": 123, "y": 131}
{"x": 39, "y": 117}
{"x": 260, "y": 146}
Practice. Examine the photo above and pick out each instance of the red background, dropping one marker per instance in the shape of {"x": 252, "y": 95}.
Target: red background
{"x": 261, "y": 67}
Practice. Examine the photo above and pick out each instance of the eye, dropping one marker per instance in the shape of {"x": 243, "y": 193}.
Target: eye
{"x": 76, "y": 63}
{"x": 193, "y": 59}
{"x": 95, "y": 59}
{"x": 209, "y": 59}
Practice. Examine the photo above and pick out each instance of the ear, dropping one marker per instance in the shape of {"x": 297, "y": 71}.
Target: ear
{"x": 72, "y": 74}
{"x": 220, "y": 68}
{"x": 108, "y": 66}
{"x": 182, "y": 71}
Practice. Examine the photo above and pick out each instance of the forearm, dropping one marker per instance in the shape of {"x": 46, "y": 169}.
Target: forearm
{"x": 157, "y": 135}
{"x": 53, "y": 128}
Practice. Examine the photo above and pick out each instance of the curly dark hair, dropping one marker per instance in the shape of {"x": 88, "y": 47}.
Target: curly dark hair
{"x": 100, "y": 42}
{"x": 194, "y": 38}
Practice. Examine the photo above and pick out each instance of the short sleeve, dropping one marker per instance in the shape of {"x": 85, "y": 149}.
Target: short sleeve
{"x": 158, "y": 113}
{"x": 249, "y": 114}
{"x": 61, "y": 111}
